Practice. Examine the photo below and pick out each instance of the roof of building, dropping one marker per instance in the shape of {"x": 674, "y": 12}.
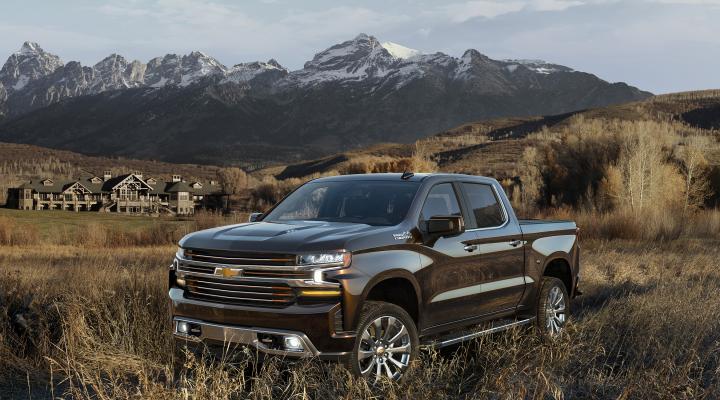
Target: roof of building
{"x": 161, "y": 187}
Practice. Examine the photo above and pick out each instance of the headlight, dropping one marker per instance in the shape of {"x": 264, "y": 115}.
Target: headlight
{"x": 180, "y": 253}
{"x": 330, "y": 259}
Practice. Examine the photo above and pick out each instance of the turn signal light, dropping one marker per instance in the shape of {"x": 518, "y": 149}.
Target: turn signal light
{"x": 320, "y": 292}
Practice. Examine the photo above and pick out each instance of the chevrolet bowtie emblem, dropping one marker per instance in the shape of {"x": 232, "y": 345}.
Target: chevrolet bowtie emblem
{"x": 228, "y": 272}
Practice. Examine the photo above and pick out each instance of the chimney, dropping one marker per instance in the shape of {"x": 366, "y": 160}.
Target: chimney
{"x": 106, "y": 176}
{"x": 176, "y": 178}
{"x": 138, "y": 174}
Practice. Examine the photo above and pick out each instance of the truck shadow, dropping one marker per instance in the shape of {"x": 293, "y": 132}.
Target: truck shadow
{"x": 592, "y": 301}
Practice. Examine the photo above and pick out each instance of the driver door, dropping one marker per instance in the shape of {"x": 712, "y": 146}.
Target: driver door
{"x": 453, "y": 261}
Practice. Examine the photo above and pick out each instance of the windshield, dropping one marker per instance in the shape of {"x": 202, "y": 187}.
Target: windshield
{"x": 366, "y": 202}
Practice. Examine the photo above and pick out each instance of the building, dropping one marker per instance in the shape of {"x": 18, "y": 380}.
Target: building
{"x": 128, "y": 193}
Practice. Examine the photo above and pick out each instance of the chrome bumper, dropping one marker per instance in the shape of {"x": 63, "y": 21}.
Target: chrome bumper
{"x": 201, "y": 331}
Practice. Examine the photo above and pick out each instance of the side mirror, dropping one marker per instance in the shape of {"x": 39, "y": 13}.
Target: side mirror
{"x": 445, "y": 225}
{"x": 254, "y": 217}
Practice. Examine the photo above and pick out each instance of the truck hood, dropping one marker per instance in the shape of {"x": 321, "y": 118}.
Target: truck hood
{"x": 294, "y": 236}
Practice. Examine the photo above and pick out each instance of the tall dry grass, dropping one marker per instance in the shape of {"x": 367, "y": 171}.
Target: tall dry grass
{"x": 652, "y": 225}
{"x": 88, "y": 323}
{"x": 109, "y": 234}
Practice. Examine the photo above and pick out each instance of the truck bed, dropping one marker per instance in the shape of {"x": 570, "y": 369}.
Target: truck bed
{"x": 535, "y": 226}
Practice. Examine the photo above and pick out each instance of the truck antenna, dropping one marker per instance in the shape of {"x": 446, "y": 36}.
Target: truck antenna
{"x": 406, "y": 175}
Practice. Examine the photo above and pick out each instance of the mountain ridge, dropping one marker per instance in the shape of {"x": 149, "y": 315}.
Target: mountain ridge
{"x": 354, "y": 93}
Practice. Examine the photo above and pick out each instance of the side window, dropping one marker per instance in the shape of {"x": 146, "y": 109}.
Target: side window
{"x": 440, "y": 201}
{"x": 484, "y": 205}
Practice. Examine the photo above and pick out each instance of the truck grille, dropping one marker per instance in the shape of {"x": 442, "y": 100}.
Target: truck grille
{"x": 240, "y": 258}
{"x": 249, "y": 272}
{"x": 219, "y": 290}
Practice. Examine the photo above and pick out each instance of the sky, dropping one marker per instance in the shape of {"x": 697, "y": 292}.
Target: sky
{"x": 657, "y": 45}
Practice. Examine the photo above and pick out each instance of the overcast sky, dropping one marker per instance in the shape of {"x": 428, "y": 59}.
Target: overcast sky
{"x": 657, "y": 45}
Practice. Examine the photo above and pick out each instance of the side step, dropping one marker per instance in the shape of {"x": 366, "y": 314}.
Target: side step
{"x": 467, "y": 335}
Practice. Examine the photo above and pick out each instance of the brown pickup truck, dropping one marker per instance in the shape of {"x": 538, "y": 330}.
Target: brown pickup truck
{"x": 365, "y": 269}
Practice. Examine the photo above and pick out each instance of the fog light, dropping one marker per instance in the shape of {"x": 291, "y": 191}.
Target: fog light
{"x": 180, "y": 281}
{"x": 293, "y": 343}
{"x": 318, "y": 276}
{"x": 183, "y": 327}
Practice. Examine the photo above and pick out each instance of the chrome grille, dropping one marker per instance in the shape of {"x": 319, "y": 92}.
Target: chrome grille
{"x": 226, "y": 291}
{"x": 248, "y": 271}
{"x": 240, "y": 258}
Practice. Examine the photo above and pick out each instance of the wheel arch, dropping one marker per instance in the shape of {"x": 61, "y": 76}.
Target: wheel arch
{"x": 398, "y": 287}
{"x": 559, "y": 266}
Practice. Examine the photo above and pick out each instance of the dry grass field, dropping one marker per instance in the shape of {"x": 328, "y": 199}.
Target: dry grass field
{"x": 91, "y": 321}
{"x": 84, "y": 308}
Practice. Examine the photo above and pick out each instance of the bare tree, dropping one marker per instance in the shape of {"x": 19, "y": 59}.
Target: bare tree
{"x": 694, "y": 169}
{"x": 530, "y": 173}
{"x": 232, "y": 180}
{"x": 645, "y": 179}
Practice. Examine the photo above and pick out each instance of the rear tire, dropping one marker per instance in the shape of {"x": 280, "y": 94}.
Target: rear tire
{"x": 386, "y": 343}
{"x": 553, "y": 309}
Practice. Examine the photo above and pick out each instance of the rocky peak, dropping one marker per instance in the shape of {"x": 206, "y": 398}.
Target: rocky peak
{"x": 360, "y": 58}
{"x": 114, "y": 72}
{"x": 181, "y": 71}
{"x": 261, "y": 73}
{"x": 30, "y": 48}
{"x": 275, "y": 64}
{"x": 30, "y": 63}
{"x": 474, "y": 56}
{"x": 198, "y": 65}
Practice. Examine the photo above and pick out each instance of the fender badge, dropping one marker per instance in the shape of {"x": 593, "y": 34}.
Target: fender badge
{"x": 402, "y": 235}
{"x": 228, "y": 272}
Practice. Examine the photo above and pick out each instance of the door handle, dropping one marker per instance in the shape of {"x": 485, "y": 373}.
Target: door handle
{"x": 470, "y": 248}
{"x": 516, "y": 243}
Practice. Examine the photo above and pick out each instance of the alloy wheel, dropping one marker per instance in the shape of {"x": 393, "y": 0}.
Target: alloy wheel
{"x": 385, "y": 349}
{"x": 555, "y": 306}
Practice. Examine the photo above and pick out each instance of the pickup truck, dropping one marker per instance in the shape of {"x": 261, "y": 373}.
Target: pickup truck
{"x": 366, "y": 269}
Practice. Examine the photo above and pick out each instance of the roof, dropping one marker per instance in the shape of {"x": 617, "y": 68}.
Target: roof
{"x": 418, "y": 177}
{"x": 161, "y": 187}
{"x": 372, "y": 177}
{"x": 179, "y": 187}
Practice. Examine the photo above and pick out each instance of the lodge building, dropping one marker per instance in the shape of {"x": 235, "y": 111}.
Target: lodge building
{"x": 128, "y": 193}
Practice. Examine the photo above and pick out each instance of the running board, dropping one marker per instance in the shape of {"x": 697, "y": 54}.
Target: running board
{"x": 448, "y": 341}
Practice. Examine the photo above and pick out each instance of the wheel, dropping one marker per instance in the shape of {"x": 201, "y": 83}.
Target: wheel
{"x": 386, "y": 342}
{"x": 553, "y": 306}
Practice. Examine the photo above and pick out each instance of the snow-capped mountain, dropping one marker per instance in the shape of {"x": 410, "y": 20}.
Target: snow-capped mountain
{"x": 30, "y": 63}
{"x": 400, "y": 51}
{"x": 114, "y": 72}
{"x": 539, "y": 66}
{"x": 193, "y": 108}
{"x": 268, "y": 72}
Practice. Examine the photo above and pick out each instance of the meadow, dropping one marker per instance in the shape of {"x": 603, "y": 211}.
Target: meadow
{"x": 83, "y": 297}
{"x": 88, "y": 319}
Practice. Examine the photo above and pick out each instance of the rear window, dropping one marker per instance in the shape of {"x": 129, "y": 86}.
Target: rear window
{"x": 484, "y": 205}
{"x": 366, "y": 202}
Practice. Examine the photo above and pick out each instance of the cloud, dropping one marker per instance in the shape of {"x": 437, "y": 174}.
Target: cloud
{"x": 656, "y": 44}
{"x": 689, "y": 2}
{"x": 461, "y": 12}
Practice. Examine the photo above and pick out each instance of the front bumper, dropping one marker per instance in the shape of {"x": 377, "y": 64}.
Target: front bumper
{"x": 313, "y": 325}
{"x": 207, "y": 331}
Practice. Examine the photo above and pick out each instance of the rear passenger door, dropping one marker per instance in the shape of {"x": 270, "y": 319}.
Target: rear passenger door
{"x": 500, "y": 253}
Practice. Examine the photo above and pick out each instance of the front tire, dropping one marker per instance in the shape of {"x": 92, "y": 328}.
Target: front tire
{"x": 386, "y": 342}
{"x": 553, "y": 307}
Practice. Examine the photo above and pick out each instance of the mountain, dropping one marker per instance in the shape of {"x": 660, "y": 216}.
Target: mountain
{"x": 192, "y": 108}
{"x": 495, "y": 147}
